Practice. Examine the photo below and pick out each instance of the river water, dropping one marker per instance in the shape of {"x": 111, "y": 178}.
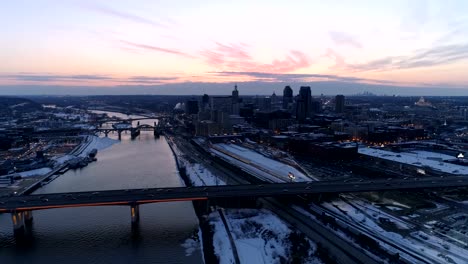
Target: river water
{"x": 104, "y": 234}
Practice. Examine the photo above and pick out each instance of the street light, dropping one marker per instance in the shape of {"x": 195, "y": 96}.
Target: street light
{"x": 291, "y": 176}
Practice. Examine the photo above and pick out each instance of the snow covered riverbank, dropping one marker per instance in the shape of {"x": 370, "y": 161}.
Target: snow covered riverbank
{"x": 99, "y": 143}
{"x": 36, "y": 172}
{"x": 90, "y": 143}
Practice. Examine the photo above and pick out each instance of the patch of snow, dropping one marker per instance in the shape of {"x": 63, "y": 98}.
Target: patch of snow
{"x": 222, "y": 247}
{"x": 253, "y": 162}
{"x": 394, "y": 208}
{"x": 36, "y": 172}
{"x": 260, "y": 237}
{"x": 99, "y": 143}
{"x": 191, "y": 245}
{"x": 61, "y": 160}
{"x": 201, "y": 176}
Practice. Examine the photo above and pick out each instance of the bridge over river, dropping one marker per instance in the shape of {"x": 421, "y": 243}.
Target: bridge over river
{"x": 20, "y": 207}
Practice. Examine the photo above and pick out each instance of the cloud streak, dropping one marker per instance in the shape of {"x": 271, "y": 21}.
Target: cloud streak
{"x": 301, "y": 77}
{"x": 435, "y": 56}
{"x": 50, "y": 78}
{"x": 124, "y": 15}
{"x": 235, "y": 57}
{"x": 155, "y": 48}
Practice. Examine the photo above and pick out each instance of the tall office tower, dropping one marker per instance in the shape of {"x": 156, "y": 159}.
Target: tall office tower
{"x": 340, "y": 103}
{"x": 274, "y": 99}
{"x": 274, "y": 102}
{"x": 264, "y": 104}
{"x": 191, "y": 107}
{"x": 301, "y": 113}
{"x": 306, "y": 96}
{"x": 287, "y": 98}
{"x": 235, "y": 101}
{"x": 205, "y": 101}
{"x": 235, "y": 95}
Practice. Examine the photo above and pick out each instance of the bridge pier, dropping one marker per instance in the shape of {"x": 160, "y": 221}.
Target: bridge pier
{"x": 18, "y": 222}
{"x": 135, "y": 213}
{"x": 134, "y": 132}
{"x": 120, "y": 134}
{"x": 28, "y": 217}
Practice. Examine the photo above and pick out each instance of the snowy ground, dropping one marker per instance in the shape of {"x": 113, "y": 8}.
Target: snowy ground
{"x": 36, "y": 172}
{"x": 417, "y": 158}
{"x": 258, "y": 164}
{"x": 201, "y": 176}
{"x": 425, "y": 244}
{"x": 259, "y": 235}
{"x": 192, "y": 244}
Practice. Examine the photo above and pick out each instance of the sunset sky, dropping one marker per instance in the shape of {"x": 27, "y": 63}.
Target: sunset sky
{"x": 106, "y": 44}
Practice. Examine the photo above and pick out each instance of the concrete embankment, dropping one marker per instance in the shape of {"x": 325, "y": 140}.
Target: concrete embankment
{"x": 44, "y": 178}
{"x": 201, "y": 209}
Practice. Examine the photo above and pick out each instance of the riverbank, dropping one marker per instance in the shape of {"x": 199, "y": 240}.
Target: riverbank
{"x": 206, "y": 230}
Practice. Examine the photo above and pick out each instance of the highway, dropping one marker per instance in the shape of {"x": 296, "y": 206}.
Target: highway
{"x": 141, "y": 196}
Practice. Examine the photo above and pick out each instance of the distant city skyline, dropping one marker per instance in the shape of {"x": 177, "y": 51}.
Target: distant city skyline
{"x": 196, "y": 47}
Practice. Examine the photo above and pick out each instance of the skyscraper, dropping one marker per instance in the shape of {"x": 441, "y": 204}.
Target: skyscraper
{"x": 274, "y": 102}
{"x": 264, "y": 104}
{"x": 191, "y": 107}
{"x": 205, "y": 101}
{"x": 235, "y": 95}
{"x": 235, "y": 101}
{"x": 304, "y": 103}
{"x": 287, "y": 98}
{"x": 339, "y": 103}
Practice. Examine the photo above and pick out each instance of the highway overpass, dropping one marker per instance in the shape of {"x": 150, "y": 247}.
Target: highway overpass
{"x": 21, "y": 206}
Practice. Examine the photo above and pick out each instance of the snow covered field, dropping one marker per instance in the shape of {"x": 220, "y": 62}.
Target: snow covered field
{"x": 417, "y": 158}
{"x": 259, "y": 236}
{"x": 258, "y": 164}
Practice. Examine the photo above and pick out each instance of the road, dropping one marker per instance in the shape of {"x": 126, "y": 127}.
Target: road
{"x": 140, "y": 196}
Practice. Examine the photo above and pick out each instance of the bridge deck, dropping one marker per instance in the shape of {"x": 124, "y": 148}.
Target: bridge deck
{"x": 142, "y": 196}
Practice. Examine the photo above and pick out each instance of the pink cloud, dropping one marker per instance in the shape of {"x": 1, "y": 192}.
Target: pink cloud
{"x": 235, "y": 57}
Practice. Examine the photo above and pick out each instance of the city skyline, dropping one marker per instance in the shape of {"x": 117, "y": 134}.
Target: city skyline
{"x": 91, "y": 47}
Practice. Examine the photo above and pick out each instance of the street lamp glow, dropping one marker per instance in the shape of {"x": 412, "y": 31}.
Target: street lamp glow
{"x": 291, "y": 176}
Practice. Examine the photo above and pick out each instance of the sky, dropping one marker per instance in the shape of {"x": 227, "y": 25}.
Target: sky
{"x": 187, "y": 47}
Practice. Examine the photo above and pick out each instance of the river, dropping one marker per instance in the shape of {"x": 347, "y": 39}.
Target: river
{"x": 104, "y": 234}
